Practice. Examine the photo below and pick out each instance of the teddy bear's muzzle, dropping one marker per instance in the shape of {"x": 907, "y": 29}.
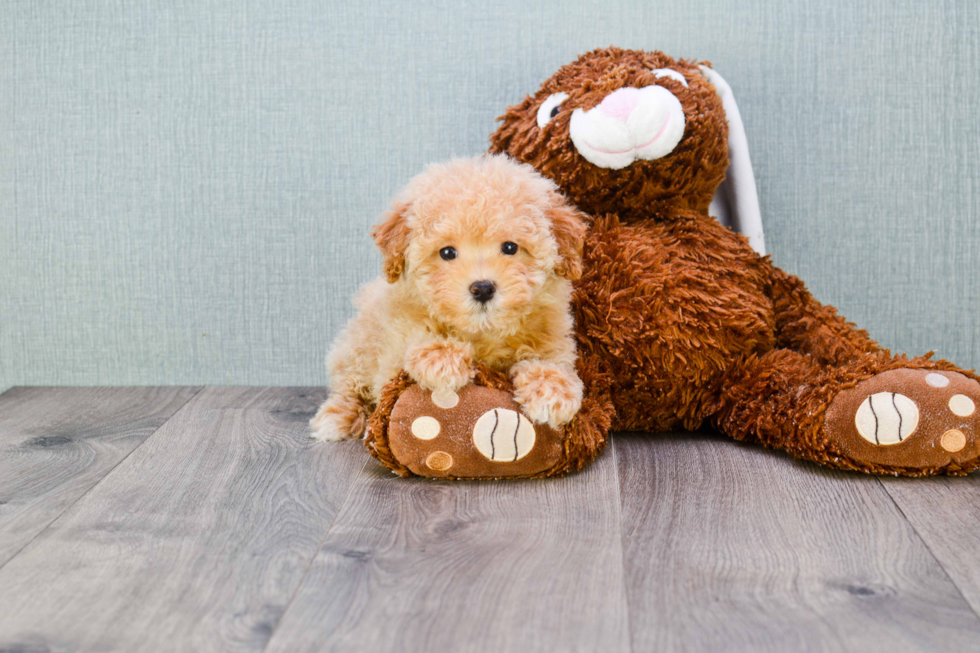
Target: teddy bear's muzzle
{"x": 629, "y": 124}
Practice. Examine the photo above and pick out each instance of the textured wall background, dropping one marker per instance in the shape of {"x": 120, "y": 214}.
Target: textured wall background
{"x": 186, "y": 186}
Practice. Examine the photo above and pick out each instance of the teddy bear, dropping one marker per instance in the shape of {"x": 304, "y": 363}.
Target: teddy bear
{"x": 679, "y": 321}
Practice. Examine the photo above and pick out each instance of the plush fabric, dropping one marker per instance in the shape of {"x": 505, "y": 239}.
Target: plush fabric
{"x": 680, "y": 322}
{"x": 391, "y": 441}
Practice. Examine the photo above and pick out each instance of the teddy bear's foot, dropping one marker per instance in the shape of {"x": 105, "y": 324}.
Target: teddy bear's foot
{"x": 909, "y": 421}
{"x": 478, "y": 432}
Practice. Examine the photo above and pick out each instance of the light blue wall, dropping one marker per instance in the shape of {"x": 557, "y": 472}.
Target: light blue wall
{"x": 186, "y": 187}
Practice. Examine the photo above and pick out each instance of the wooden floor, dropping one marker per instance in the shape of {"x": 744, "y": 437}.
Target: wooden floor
{"x": 189, "y": 519}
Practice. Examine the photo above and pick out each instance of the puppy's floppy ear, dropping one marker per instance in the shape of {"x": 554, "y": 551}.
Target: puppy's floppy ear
{"x": 568, "y": 226}
{"x": 392, "y": 236}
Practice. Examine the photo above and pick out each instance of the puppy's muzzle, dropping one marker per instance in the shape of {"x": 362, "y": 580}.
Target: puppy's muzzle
{"x": 482, "y": 291}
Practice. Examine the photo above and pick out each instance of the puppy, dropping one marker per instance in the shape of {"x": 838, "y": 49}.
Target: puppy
{"x": 479, "y": 256}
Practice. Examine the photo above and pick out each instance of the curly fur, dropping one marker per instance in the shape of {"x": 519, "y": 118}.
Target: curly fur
{"x": 678, "y": 321}
{"x": 677, "y": 313}
{"x": 422, "y": 316}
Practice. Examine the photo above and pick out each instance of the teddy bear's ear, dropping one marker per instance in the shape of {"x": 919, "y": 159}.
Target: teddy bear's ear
{"x": 568, "y": 227}
{"x": 392, "y": 236}
{"x": 736, "y": 202}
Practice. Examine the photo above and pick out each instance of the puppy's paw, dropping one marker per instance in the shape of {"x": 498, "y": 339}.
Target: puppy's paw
{"x": 339, "y": 418}
{"x": 547, "y": 393}
{"x": 441, "y": 365}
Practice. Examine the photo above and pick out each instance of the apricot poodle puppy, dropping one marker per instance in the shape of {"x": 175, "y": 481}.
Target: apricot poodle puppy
{"x": 479, "y": 256}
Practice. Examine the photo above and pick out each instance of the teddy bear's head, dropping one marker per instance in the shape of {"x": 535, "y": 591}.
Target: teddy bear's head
{"x": 623, "y": 131}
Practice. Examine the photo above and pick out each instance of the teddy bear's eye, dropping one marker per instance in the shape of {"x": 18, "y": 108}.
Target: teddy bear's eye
{"x": 447, "y": 253}
{"x": 509, "y": 248}
{"x": 672, "y": 74}
{"x": 550, "y": 108}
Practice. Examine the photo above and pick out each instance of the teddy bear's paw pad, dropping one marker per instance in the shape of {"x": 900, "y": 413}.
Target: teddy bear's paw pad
{"x": 503, "y": 435}
{"x": 478, "y": 433}
{"x": 886, "y": 418}
{"x": 915, "y": 419}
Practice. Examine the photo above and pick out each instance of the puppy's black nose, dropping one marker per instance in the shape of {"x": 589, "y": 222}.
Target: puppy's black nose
{"x": 482, "y": 291}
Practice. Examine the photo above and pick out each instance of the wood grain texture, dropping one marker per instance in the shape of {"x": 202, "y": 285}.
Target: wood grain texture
{"x": 227, "y": 529}
{"x": 730, "y": 547}
{"x": 57, "y": 443}
{"x": 945, "y": 512}
{"x": 449, "y": 566}
{"x": 195, "y": 542}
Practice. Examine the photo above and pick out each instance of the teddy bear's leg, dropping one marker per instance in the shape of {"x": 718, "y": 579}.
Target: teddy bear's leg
{"x": 805, "y": 325}
{"x": 876, "y": 414}
{"x": 481, "y": 431}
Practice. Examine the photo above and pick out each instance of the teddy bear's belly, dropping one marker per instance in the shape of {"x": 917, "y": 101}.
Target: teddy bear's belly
{"x": 667, "y": 320}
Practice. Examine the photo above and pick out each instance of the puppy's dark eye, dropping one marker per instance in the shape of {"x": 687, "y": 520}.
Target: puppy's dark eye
{"x": 509, "y": 248}
{"x": 554, "y": 112}
{"x": 447, "y": 253}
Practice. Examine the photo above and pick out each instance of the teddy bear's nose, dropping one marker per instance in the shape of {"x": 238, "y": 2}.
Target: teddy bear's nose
{"x": 482, "y": 291}
{"x": 620, "y": 104}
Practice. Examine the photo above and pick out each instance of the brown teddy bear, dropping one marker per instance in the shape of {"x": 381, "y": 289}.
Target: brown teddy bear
{"x": 679, "y": 321}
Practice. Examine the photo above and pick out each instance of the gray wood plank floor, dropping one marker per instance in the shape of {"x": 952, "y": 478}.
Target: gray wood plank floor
{"x": 762, "y": 553}
{"x": 418, "y": 565}
{"x": 57, "y": 443}
{"x": 179, "y": 519}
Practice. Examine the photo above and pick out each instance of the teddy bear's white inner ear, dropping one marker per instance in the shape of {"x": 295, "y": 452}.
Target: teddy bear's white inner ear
{"x": 673, "y": 74}
{"x": 736, "y": 202}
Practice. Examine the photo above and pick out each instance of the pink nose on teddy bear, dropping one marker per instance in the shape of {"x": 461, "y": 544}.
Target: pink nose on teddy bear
{"x": 620, "y": 104}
